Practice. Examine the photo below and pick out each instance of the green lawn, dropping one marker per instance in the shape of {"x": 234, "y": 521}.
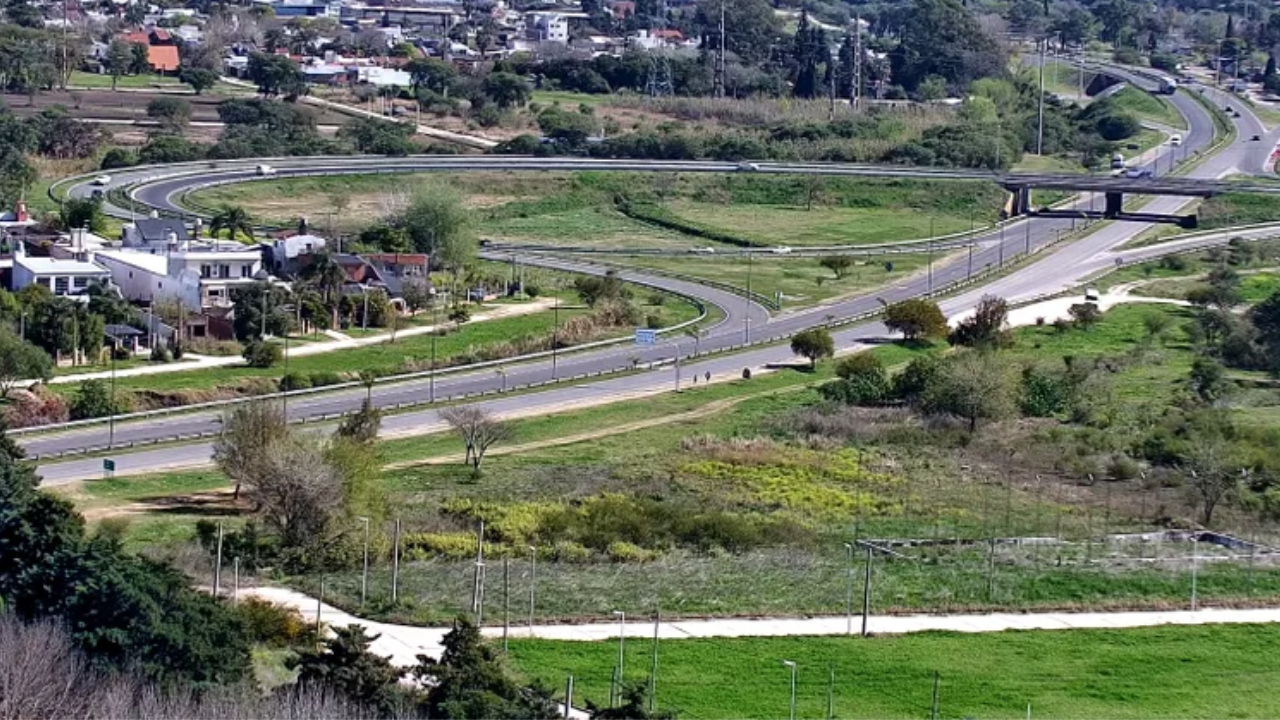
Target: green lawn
{"x": 1062, "y": 79}
{"x": 821, "y": 225}
{"x": 96, "y": 81}
{"x": 568, "y": 98}
{"x": 1169, "y": 672}
{"x": 801, "y": 280}
{"x": 1146, "y": 106}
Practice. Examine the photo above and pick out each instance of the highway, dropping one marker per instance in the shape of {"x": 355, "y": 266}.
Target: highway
{"x": 1057, "y": 269}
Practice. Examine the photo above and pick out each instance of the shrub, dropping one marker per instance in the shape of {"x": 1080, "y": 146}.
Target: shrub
{"x": 1123, "y": 468}
{"x": 620, "y": 551}
{"x": 1043, "y": 395}
{"x": 260, "y": 354}
{"x": 272, "y": 624}
{"x": 294, "y": 381}
{"x": 324, "y": 378}
{"x": 161, "y": 354}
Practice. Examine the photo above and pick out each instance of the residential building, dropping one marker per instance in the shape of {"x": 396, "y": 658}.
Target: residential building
{"x": 200, "y": 277}
{"x": 162, "y": 48}
{"x": 283, "y": 254}
{"x": 154, "y": 233}
{"x": 66, "y": 277}
{"x": 427, "y": 21}
{"x": 546, "y": 27}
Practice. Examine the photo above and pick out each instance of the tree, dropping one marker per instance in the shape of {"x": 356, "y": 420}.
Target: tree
{"x": 249, "y": 432}
{"x": 506, "y": 89}
{"x": 139, "y": 62}
{"x": 942, "y": 38}
{"x": 117, "y": 61}
{"x": 972, "y": 385}
{"x": 863, "y": 381}
{"x": 478, "y": 429}
{"x": 17, "y": 175}
{"x": 986, "y": 327}
{"x": 21, "y": 360}
{"x": 326, "y": 275}
{"x": 362, "y": 425}
{"x": 416, "y": 293}
{"x": 596, "y": 289}
{"x": 838, "y": 264}
{"x": 634, "y": 706}
{"x": 1213, "y": 471}
{"x": 123, "y": 610}
{"x": 430, "y": 74}
{"x": 437, "y": 224}
{"x": 93, "y": 400}
{"x": 374, "y": 136}
{"x": 233, "y": 219}
{"x": 916, "y": 319}
{"x": 1208, "y": 379}
{"x": 345, "y": 665}
{"x": 276, "y": 75}
{"x": 200, "y": 79}
{"x": 297, "y": 493}
{"x": 814, "y": 344}
{"x": 173, "y": 113}
{"x": 469, "y": 682}
{"x": 262, "y": 354}
{"x": 1085, "y": 315}
{"x": 82, "y": 213}
{"x": 258, "y": 311}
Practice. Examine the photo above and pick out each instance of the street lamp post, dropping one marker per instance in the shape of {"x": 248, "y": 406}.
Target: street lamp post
{"x": 111, "y": 424}
{"x": 435, "y": 330}
{"x": 555, "y": 338}
{"x": 676, "y": 355}
{"x": 790, "y": 664}
{"x": 848, "y": 595}
{"x": 533, "y": 582}
{"x": 364, "y": 575}
{"x": 746, "y": 316}
{"x": 364, "y": 320}
{"x": 622, "y": 640}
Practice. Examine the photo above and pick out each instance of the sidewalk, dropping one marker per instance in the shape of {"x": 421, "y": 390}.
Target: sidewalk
{"x": 192, "y": 361}
{"x": 402, "y": 643}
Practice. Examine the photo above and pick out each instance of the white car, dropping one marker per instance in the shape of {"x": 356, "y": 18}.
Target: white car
{"x": 266, "y": 171}
{"x": 1135, "y": 173}
{"x": 781, "y": 250}
{"x": 748, "y": 167}
{"x": 705, "y": 251}
{"x": 1175, "y": 140}
{"x": 102, "y": 180}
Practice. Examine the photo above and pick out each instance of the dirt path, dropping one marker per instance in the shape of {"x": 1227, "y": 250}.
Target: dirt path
{"x": 711, "y": 408}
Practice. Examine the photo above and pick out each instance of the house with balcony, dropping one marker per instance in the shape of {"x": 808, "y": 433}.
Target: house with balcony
{"x": 201, "y": 277}
{"x": 66, "y": 277}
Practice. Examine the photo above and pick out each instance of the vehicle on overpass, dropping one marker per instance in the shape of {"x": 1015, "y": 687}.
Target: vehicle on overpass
{"x": 1168, "y": 86}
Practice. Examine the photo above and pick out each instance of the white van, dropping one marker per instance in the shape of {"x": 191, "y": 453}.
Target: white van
{"x": 265, "y": 171}
{"x": 1175, "y": 140}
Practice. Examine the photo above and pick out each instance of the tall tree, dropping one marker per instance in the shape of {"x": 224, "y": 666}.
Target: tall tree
{"x": 234, "y": 220}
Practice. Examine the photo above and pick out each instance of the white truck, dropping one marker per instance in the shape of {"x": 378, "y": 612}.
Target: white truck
{"x": 265, "y": 171}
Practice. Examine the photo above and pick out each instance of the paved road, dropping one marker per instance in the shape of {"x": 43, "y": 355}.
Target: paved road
{"x": 403, "y": 643}
{"x": 1059, "y": 269}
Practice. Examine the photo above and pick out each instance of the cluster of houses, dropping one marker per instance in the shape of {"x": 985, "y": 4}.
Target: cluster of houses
{"x": 431, "y": 26}
{"x": 164, "y": 260}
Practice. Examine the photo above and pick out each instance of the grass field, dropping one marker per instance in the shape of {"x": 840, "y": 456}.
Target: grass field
{"x": 569, "y": 99}
{"x": 572, "y": 210}
{"x": 802, "y": 281}
{"x": 1254, "y": 287}
{"x": 1149, "y": 107}
{"x": 94, "y": 80}
{"x": 1201, "y": 672}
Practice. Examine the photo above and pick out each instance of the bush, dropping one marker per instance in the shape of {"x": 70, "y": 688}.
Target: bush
{"x": 260, "y": 354}
{"x": 118, "y": 158}
{"x": 325, "y": 378}
{"x": 620, "y": 551}
{"x": 121, "y": 353}
{"x": 93, "y": 400}
{"x": 270, "y": 624}
{"x": 161, "y": 354}
{"x": 295, "y": 381}
{"x": 1123, "y": 468}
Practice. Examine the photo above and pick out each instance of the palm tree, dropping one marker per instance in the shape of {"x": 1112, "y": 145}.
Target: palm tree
{"x": 233, "y": 219}
{"x": 327, "y": 276}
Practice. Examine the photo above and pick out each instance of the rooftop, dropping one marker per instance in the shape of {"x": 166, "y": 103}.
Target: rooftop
{"x": 55, "y": 266}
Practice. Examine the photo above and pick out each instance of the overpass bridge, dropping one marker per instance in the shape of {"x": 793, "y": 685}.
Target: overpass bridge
{"x": 1113, "y": 189}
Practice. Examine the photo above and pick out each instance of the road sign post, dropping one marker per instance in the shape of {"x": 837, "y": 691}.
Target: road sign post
{"x": 645, "y": 336}
{"x": 108, "y": 468}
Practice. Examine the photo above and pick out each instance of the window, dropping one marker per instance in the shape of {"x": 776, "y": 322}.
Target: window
{"x": 206, "y": 271}
{"x": 60, "y": 285}
{"x": 80, "y": 283}
{"x": 224, "y": 271}
{"x": 246, "y": 271}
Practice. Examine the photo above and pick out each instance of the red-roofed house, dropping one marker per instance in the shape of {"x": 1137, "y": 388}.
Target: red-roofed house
{"x": 162, "y": 50}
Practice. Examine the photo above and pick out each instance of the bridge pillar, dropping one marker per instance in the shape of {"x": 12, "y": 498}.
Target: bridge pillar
{"x": 1018, "y": 202}
{"x": 1115, "y": 204}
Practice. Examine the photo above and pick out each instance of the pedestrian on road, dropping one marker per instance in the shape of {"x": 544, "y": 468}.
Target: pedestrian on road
{"x": 708, "y": 376}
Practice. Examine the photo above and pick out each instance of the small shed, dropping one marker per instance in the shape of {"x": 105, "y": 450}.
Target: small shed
{"x": 123, "y": 336}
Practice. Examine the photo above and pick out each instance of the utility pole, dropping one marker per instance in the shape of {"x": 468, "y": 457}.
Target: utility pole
{"x": 866, "y": 592}
{"x": 856, "y": 90}
{"x": 1040, "y": 129}
{"x": 395, "y": 566}
{"x": 719, "y": 62}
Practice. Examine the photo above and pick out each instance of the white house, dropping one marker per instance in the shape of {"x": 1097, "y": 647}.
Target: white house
{"x": 199, "y": 277}
{"x": 61, "y": 276}
{"x": 547, "y": 27}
